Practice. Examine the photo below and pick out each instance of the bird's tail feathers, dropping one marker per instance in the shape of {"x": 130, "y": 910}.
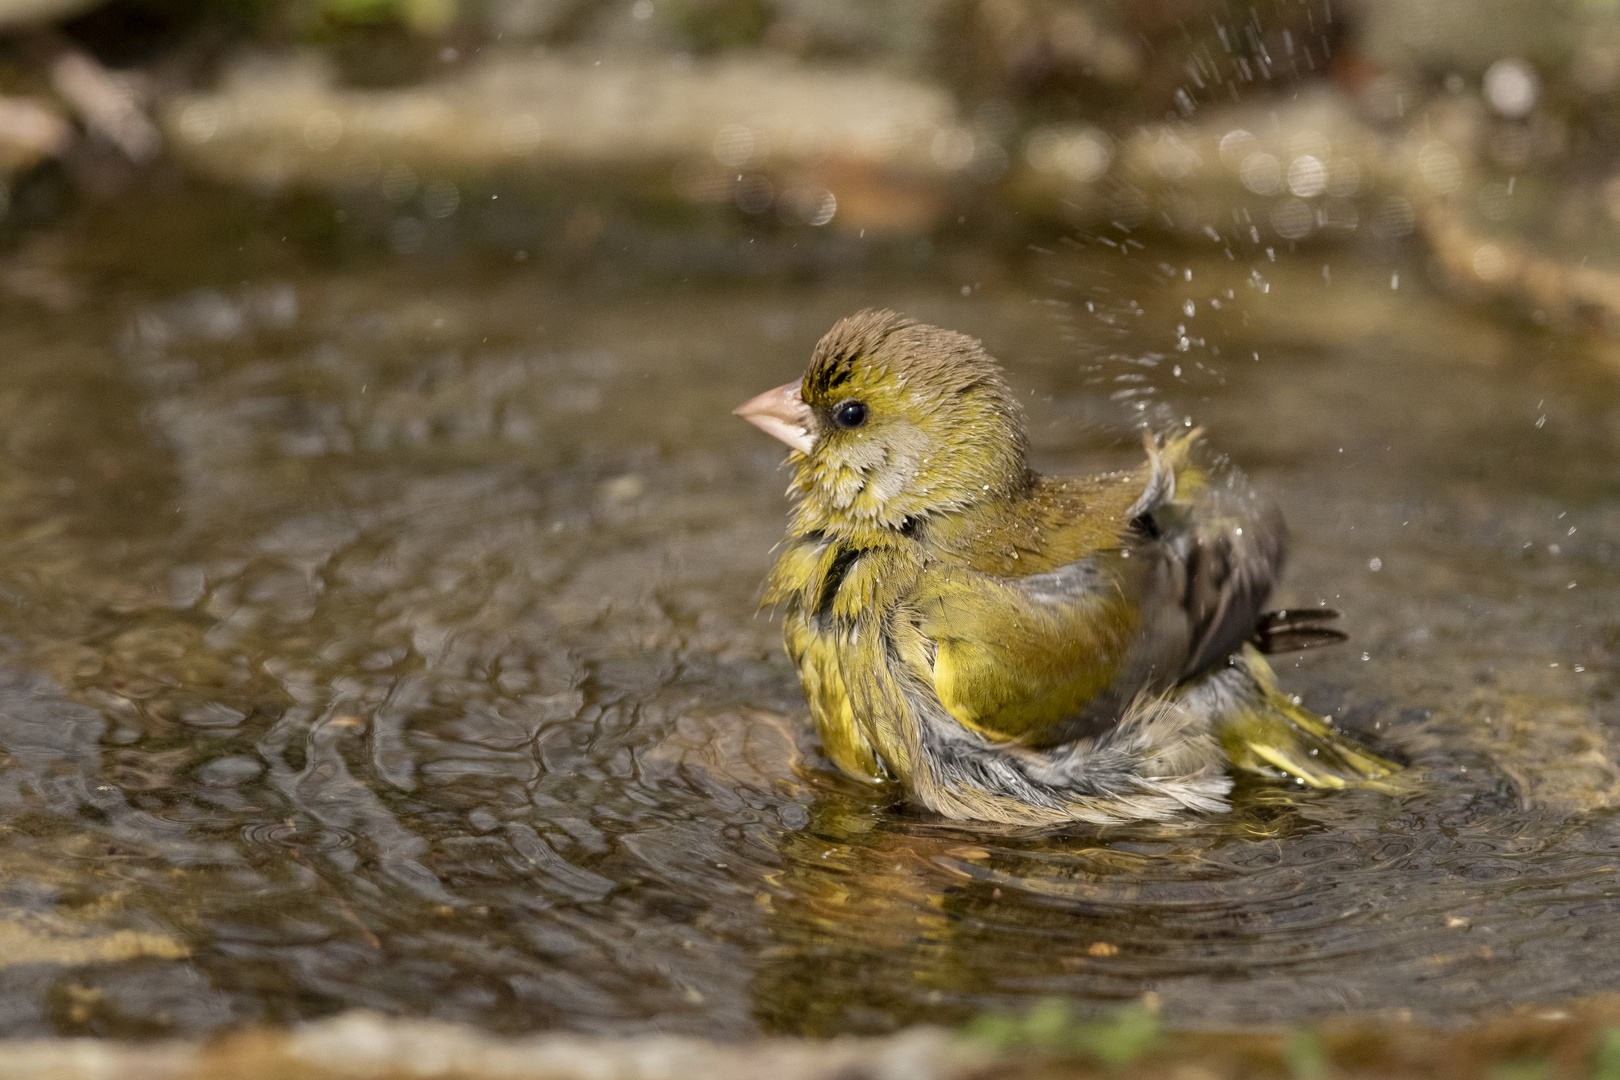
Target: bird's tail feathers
{"x": 1264, "y": 730}
{"x": 1158, "y": 762}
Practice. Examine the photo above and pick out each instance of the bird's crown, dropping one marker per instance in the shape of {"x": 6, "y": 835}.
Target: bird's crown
{"x": 902, "y": 421}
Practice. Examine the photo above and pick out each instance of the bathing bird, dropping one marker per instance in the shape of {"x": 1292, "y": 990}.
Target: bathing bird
{"x": 997, "y": 645}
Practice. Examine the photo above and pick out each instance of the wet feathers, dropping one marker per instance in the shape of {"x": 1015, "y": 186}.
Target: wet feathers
{"x": 1010, "y": 647}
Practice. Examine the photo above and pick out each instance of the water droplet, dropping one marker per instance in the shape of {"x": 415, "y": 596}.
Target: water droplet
{"x": 440, "y": 199}
{"x": 398, "y": 183}
{"x": 1511, "y": 86}
{"x": 733, "y": 145}
{"x": 1395, "y": 219}
{"x": 1344, "y": 178}
{"x": 754, "y": 194}
{"x": 406, "y": 235}
{"x": 1261, "y": 173}
{"x": 1236, "y": 146}
{"x": 1489, "y": 262}
{"x": 1439, "y": 167}
{"x": 322, "y": 130}
{"x": 1307, "y": 176}
{"x": 1082, "y": 154}
{"x": 199, "y": 122}
{"x": 1292, "y": 219}
{"x": 952, "y": 148}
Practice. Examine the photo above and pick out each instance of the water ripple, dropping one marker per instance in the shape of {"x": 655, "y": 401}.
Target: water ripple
{"x": 393, "y": 646}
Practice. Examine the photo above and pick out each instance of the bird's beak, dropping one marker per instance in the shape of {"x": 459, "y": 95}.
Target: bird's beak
{"x": 782, "y": 413}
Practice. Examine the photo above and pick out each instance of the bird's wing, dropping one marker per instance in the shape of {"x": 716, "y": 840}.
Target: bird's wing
{"x": 1221, "y": 549}
{"x": 1021, "y": 658}
{"x": 1226, "y": 564}
{"x": 1169, "y": 584}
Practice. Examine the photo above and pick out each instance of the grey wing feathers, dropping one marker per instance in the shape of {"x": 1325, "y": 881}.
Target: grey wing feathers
{"x": 1228, "y": 559}
{"x": 1083, "y": 577}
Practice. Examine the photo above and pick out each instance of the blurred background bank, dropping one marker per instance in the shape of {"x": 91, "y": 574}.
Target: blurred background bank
{"x": 759, "y": 135}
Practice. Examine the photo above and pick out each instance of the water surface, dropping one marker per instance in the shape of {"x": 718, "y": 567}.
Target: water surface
{"x": 383, "y": 634}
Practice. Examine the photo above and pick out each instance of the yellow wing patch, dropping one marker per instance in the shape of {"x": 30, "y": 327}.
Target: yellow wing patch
{"x": 1013, "y": 666}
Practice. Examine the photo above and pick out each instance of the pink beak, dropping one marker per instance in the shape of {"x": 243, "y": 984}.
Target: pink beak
{"x": 782, "y": 413}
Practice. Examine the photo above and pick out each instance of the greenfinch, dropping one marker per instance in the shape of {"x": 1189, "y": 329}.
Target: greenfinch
{"x": 1004, "y": 646}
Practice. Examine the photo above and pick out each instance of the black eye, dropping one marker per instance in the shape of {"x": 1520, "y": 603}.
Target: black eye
{"x": 849, "y": 414}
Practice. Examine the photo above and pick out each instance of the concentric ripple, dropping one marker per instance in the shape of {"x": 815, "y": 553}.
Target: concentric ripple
{"x": 388, "y": 641}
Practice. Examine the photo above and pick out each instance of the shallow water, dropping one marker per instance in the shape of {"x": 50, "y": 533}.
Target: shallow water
{"x": 383, "y": 635}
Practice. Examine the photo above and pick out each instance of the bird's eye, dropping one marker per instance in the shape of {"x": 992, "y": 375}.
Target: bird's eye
{"x": 850, "y": 414}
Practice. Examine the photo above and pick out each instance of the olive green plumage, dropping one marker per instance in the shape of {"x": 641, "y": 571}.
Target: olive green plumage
{"x": 1010, "y": 647}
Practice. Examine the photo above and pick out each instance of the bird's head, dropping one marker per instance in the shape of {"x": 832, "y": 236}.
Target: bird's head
{"x": 894, "y": 421}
